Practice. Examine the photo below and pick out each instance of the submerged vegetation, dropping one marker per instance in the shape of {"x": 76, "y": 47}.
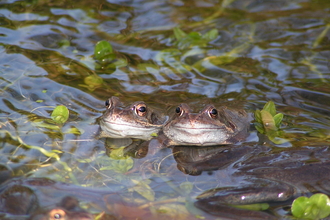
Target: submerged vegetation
{"x": 268, "y": 122}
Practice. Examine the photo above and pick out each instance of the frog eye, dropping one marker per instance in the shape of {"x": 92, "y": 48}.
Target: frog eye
{"x": 56, "y": 214}
{"x": 179, "y": 110}
{"x": 213, "y": 113}
{"x": 141, "y": 109}
{"x": 107, "y": 103}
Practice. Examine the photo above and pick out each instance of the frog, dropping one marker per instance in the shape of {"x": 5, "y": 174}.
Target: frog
{"x": 207, "y": 126}
{"x": 136, "y": 120}
{"x": 67, "y": 209}
{"x": 267, "y": 179}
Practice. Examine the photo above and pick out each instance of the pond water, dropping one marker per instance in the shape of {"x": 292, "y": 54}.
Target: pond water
{"x": 246, "y": 51}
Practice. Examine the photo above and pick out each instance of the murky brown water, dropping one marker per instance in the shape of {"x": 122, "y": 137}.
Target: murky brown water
{"x": 265, "y": 50}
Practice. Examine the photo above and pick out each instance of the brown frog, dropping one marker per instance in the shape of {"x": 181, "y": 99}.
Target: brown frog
{"x": 134, "y": 121}
{"x": 210, "y": 126}
{"x": 275, "y": 179}
{"x": 68, "y": 209}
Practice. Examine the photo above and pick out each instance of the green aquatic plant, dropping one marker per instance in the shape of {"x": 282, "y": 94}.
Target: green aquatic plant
{"x": 106, "y": 58}
{"x": 184, "y": 40}
{"x": 268, "y": 122}
{"x": 315, "y": 207}
{"x": 118, "y": 161}
{"x": 60, "y": 114}
{"x": 267, "y": 119}
{"x": 103, "y": 50}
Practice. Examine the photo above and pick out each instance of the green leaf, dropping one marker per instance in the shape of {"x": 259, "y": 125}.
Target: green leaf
{"x": 117, "y": 64}
{"x": 60, "y": 114}
{"x": 92, "y": 82}
{"x": 315, "y": 207}
{"x": 268, "y": 121}
{"x": 278, "y": 119}
{"x": 260, "y": 128}
{"x": 257, "y": 115}
{"x": 102, "y": 49}
{"x": 118, "y": 162}
{"x": 211, "y": 35}
{"x": 298, "y": 206}
{"x": 194, "y": 36}
{"x": 49, "y": 124}
{"x": 270, "y": 107}
{"x": 119, "y": 166}
{"x": 73, "y": 130}
{"x": 179, "y": 34}
{"x": 253, "y": 207}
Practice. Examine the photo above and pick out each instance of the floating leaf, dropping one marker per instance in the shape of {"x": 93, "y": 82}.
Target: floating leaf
{"x": 60, "y": 114}
{"x": 278, "y": 119}
{"x": 270, "y": 107}
{"x": 268, "y": 121}
{"x": 193, "y": 38}
{"x": 315, "y": 207}
{"x": 102, "y": 49}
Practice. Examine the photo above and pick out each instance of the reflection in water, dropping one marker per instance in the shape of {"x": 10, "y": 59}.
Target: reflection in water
{"x": 134, "y": 148}
{"x": 194, "y": 160}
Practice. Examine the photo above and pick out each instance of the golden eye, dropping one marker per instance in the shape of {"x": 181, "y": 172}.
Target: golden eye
{"x": 141, "y": 110}
{"x": 57, "y": 214}
{"x": 213, "y": 113}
